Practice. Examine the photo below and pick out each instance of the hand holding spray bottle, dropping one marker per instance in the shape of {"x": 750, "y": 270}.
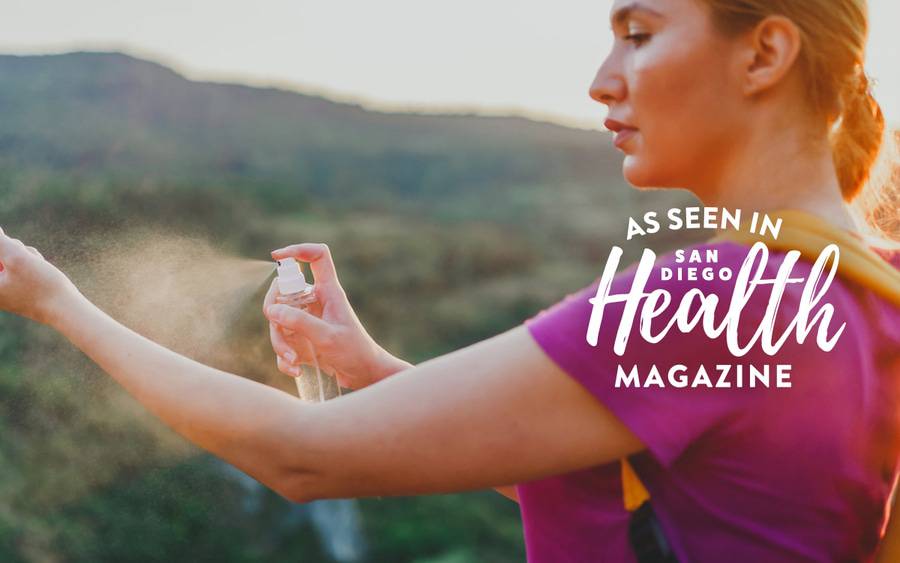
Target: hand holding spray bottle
{"x": 313, "y": 384}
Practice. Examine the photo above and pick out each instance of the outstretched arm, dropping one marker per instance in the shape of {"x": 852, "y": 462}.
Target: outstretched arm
{"x": 494, "y": 413}
{"x": 244, "y": 422}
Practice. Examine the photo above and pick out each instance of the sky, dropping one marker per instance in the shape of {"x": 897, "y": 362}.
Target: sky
{"x": 485, "y": 56}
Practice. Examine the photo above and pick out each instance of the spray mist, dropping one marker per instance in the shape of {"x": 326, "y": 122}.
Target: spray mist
{"x": 313, "y": 384}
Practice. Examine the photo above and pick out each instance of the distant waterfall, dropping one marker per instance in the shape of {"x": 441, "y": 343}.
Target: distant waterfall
{"x": 337, "y": 522}
{"x": 339, "y": 527}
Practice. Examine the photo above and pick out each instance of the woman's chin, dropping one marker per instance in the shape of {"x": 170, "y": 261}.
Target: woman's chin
{"x": 635, "y": 173}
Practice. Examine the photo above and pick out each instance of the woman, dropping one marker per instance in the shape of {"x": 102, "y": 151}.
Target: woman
{"x": 731, "y": 99}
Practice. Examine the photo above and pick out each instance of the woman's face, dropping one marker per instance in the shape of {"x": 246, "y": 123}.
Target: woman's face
{"x": 667, "y": 81}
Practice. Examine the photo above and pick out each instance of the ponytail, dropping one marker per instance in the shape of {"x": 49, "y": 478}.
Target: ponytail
{"x": 834, "y": 35}
{"x": 857, "y": 140}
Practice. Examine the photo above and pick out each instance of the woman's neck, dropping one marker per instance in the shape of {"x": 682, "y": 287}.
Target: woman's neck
{"x": 776, "y": 167}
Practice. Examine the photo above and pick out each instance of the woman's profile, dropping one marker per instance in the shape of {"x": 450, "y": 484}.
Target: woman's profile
{"x": 757, "y": 105}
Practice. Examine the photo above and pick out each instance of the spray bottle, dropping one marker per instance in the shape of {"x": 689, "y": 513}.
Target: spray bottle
{"x": 313, "y": 384}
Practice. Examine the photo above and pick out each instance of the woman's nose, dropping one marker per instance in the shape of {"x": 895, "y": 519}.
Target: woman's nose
{"x": 608, "y": 86}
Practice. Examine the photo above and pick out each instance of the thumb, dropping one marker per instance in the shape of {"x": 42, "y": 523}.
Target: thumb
{"x": 298, "y": 320}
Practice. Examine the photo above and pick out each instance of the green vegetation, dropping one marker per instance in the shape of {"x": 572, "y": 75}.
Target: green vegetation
{"x": 445, "y": 230}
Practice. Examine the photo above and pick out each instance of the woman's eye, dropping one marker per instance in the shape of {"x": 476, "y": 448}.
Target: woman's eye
{"x": 637, "y": 38}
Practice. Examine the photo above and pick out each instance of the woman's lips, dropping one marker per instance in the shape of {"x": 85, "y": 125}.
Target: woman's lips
{"x": 623, "y": 132}
{"x": 623, "y": 136}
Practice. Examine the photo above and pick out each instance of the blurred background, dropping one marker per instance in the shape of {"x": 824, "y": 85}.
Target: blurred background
{"x": 447, "y": 152}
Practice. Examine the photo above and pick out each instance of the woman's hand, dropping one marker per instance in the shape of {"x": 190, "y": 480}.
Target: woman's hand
{"x": 342, "y": 345}
{"x": 29, "y": 285}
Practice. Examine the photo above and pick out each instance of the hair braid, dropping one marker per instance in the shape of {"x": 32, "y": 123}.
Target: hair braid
{"x": 857, "y": 140}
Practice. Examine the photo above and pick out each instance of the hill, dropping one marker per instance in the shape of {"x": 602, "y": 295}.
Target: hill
{"x": 139, "y": 182}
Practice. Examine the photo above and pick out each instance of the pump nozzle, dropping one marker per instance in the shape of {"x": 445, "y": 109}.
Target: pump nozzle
{"x": 290, "y": 277}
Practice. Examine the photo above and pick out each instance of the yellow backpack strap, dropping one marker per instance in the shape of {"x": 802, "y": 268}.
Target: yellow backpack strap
{"x": 633, "y": 491}
{"x": 808, "y": 234}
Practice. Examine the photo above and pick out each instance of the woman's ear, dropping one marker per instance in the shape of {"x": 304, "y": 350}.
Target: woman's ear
{"x": 769, "y": 52}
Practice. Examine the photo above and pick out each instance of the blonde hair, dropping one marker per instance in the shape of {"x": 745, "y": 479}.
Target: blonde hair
{"x": 834, "y": 35}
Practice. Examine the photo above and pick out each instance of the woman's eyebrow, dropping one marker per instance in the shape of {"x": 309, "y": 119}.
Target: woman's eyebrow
{"x": 621, "y": 15}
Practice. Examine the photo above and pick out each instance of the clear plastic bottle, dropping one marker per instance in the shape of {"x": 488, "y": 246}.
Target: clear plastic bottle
{"x": 313, "y": 384}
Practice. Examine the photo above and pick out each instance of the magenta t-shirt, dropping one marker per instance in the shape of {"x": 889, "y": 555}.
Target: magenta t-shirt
{"x": 738, "y": 474}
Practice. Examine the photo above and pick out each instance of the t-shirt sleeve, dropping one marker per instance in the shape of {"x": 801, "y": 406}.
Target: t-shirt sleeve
{"x": 667, "y": 419}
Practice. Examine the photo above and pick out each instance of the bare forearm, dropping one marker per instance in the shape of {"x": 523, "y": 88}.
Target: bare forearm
{"x": 239, "y": 420}
{"x": 389, "y": 366}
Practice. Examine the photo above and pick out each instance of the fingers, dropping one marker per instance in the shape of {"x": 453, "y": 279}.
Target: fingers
{"x": 286, "y": 358}
{"x": 6, "y": 244}
{"x": 34, "y": 251}
{"x": 294, "y": 368}
{"x": 9, "y": 243}
{"x": 298, "y": 320}
{"x": 320, "y": 262}
{"x": 280, "y": 345}
{"x": 11, "y": 249}
{"x": 288, "y": 369}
